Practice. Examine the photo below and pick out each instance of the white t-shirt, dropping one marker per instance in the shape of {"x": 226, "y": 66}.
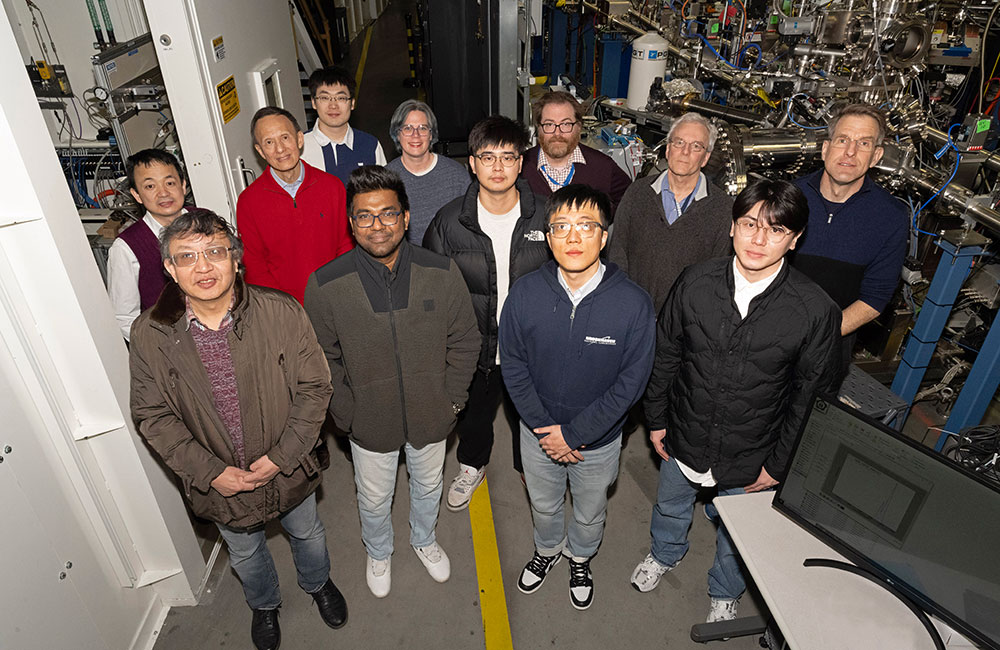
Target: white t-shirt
{"x": 500, "y": 229}
{"x": 745, "y": 292}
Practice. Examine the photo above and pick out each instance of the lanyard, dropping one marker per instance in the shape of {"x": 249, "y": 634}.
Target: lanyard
{"x": 572, "y": 170}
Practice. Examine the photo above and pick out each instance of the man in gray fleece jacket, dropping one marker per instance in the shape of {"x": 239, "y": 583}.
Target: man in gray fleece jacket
{"x": 397, "y": 326}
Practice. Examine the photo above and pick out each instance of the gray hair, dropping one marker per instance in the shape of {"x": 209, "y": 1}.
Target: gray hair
{"x": 399, "y": 118}
{"x": 713, "y": 133}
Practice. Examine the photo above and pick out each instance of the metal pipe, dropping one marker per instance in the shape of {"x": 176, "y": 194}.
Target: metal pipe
{"x": 642, "y": 19}
{"x": 716, "y": 110}
{"x": 816, "y": 50}
{"x": 615, "y": 20}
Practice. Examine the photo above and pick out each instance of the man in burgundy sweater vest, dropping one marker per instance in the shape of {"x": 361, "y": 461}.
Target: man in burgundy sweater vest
{"x": 559, "y": 159}
{"x": 135, "y": 271}
{"x": 293, "y": 218}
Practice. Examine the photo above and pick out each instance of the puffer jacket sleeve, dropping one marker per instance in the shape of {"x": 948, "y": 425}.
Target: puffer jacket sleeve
{"x": 669, "y": 346}
{"x": 161, "y": 427}
{"x": 312, "y": 394}
{"x": 433, "y": 237}
{"x": 341, "y": 406}
{"x": 463, "y": 338}
{"x": 817, "y": 370}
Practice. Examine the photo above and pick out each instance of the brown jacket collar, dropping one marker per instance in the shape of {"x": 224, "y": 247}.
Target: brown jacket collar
{"x": 170, "y": 307}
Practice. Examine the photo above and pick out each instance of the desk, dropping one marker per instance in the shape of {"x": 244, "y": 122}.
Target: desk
{"x": 818, "y": 608}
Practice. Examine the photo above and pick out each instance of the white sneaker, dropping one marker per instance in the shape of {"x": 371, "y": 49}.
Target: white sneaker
{"x": 723, "y": 609}
{"x": 647, "y": 574}
{"x": 435, "y": 561}
{"x": 379, "y": 576}
{"x": 460, "y": 492}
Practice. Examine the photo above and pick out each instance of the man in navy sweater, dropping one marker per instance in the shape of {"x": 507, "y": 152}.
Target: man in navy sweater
{"x": 576, "y": 349}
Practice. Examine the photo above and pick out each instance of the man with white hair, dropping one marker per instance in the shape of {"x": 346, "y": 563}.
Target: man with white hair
{"x": 431, "y": 181}
{"x": 670, "y": 220}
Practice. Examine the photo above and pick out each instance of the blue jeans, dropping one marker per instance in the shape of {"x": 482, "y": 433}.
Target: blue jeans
{"x": 589, "y": 481}
{"x": 375, "y": 478}
{"x": 252, "y": 562}
{"x": 675, "y": 498}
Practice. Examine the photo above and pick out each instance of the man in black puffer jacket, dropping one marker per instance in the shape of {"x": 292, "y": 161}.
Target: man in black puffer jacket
{"x": 743, "y": 343}
{"x": 496, "y": 234}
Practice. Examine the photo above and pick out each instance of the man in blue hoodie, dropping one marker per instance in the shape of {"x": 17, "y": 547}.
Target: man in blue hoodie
{"x": 576, "y": 349}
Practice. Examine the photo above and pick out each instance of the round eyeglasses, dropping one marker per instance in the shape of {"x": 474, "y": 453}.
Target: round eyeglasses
{"x": 748, "y": 228}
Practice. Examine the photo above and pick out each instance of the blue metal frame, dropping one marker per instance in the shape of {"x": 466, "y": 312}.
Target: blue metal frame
{"x": 616, "y": 56}
{"x": 952, "y": 270}
{"x": 980, "y": 387}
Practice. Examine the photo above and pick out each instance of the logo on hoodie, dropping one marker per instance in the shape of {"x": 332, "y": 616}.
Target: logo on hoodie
{"x": 534, "y": 235}
{"x": 604, "y": 340}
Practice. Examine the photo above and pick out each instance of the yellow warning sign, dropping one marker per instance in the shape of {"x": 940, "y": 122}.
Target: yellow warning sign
{"x": 229, "y": 101}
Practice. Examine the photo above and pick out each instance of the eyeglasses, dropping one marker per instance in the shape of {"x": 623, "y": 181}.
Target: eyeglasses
{"x": 550, "y": 127}
{"x": 215, "y": 255}
{"x": 696, "y": 147}
{"x": 489, "y": 159}
{"x": 419, "y": 129}
{"x": 323, "y": 98}
{"x": 561, "y": 229}
{"x": 863, "y": 144}
{"x": 749, "y": 227}
{"x": 367, "y": 219}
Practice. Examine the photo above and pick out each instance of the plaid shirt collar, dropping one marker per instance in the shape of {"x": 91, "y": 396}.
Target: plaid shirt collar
{"x": 191, "y": 319}
{"x": 575, "y": 157}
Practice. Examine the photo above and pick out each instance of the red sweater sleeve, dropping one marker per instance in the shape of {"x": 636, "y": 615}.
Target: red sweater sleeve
{"x": 254, "y": 247}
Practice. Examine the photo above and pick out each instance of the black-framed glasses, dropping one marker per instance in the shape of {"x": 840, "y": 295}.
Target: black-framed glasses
{"x": 697, "y": 147}
{"x": 215, "y": 255}
{"x": 749, "y": 227}
{"x": 489, "y": 158}
{"x": 419, "y": 129}
{"x": 367, "y": 219}
{"x": 564, "y": 127}
{"x": 587, "y": 229}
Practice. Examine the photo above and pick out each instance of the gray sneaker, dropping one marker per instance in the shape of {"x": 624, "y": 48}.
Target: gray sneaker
{"x": 647, "y": 574}
{"x": 462, "y": 488}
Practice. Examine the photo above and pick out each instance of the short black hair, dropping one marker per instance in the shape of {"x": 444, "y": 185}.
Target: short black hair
{"x": 784, "y": 204}
{"x": 199, "y": 221}
{"x": 331, "y": 77}
{"x": 267, "y": 111}
{"x": 147, "y": 157}
{"x": 577, "y": 196}
{"x": 372, "y": 178}
{"x": 496, "y": 130}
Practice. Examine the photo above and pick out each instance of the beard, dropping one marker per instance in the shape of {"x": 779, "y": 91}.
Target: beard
{"x": 558, "y": 147}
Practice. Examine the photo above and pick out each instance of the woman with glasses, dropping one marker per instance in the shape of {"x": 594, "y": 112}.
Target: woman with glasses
{"x": 431, "y": 180}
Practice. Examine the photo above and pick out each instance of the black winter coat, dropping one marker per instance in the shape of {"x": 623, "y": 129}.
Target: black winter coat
{"x": 455, "y": 232}
{"x": 730, "y": 391}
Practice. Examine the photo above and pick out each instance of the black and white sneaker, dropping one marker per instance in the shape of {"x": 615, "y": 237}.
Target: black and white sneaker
{"x": 535, "y": 571}
{"x": 581, "y": 583}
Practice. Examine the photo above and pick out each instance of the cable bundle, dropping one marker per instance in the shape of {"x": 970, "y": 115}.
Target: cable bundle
{"x": 978, "y": 450}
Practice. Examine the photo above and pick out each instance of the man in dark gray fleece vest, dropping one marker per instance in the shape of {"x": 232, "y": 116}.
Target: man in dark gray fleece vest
{"x": 397, "y": 326}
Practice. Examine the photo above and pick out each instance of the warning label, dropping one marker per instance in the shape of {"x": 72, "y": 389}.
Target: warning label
{"x": 229, "y": 101}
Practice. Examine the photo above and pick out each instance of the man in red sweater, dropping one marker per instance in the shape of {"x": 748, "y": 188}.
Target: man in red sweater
{"x": 293, "y": 218}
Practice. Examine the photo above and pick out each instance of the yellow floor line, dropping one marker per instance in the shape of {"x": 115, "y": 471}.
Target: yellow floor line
{"x": 492, "y": 601}
{"x": 361, "y": 63}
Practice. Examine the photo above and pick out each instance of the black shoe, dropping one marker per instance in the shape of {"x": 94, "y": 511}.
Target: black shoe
{"x": 331, "y": 604}
{"x": 581, "y": 584}
{"x": 264, "y": 629}
{"x": 535, "y": 571}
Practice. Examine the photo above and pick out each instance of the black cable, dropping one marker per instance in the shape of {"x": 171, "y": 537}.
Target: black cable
{"x": 978, "y": 450}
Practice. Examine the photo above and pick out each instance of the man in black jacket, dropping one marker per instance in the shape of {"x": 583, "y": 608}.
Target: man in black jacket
{"x": 743, "y": 343}
{"x": 496, "y": 234}
{"x": 397, "y": 327}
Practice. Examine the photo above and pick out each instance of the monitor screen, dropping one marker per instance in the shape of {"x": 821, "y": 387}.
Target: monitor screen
{"x": 902, "y": 511}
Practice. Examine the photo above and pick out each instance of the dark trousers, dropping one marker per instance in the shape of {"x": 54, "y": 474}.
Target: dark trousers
{"x": 475, "y": 424}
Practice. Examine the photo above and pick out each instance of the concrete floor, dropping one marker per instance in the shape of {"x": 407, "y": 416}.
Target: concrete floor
{"x": 420, "y": 613}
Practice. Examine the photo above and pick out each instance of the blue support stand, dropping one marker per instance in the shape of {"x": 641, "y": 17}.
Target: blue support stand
{"x": 979, "y": 389}
{"x": 615, "y": 57}
{"x": 952, "y": 270}
{"x": 557, "y": 44}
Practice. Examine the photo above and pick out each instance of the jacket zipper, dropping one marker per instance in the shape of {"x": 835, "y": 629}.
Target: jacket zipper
{"x": 399, "y": 368}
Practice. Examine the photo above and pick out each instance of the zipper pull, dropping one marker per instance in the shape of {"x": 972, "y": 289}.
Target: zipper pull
{"x": 829, "y": 217}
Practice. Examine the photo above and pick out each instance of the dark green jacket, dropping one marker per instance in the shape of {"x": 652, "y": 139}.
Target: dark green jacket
{"x": 402, "y": 345}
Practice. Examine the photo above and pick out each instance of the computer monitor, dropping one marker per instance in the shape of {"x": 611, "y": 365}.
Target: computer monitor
{"x": 911, "y": 516}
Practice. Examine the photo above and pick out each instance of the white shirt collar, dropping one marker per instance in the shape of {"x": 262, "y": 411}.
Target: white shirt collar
{"x": 323, "y": 140}
{"x": 746, "y": 291}
{"x": 576, "y": 296}
{"x": 155, "y": 225}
